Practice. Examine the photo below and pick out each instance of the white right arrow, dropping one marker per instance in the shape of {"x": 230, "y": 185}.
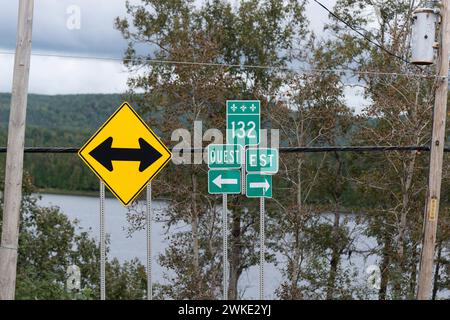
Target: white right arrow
{"x": 219, "y": 181}
{"x": 264, "y": 185}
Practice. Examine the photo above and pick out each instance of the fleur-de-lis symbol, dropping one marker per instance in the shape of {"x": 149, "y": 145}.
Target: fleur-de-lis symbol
{"x": 243, "y": 108}
{"x": 252, "y": 107}
{"x": 233, "y": 107}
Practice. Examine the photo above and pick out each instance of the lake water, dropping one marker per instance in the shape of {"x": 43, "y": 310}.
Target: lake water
{"x": 86, "y": 210}
{"x": 124, "y": 247}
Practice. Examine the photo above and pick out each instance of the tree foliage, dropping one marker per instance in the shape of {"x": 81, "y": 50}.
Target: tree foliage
{"x": 49, "y": 242}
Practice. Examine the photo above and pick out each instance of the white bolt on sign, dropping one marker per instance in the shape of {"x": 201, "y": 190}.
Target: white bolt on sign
{"x": 374, "y": 278}
{"x": 73, "y": 278}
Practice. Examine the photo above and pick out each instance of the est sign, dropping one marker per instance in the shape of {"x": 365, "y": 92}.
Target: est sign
{"x": 243, "y": 122}
{"x": 262, "y": 160}
{"x": 225, "y": 156}
{"x": 125, "y": 154}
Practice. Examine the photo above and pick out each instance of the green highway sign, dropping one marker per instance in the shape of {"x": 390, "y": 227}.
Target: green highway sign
{"x": 262, "y": 160}
{"x": 259, "y": 185}
{"x": 224, "y": 181}
{"x": 243, "y": 122}
{"x": 225, "y": 156}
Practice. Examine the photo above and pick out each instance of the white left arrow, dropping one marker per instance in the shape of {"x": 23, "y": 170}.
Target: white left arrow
{"x": 258, "y": 185}
{"x": 219, "y": 181}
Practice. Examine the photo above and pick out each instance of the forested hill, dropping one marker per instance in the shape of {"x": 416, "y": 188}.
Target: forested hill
{"x": 73, "y": 112}
{"x": 63, "y": 121}
{"x": 60, "y": 121}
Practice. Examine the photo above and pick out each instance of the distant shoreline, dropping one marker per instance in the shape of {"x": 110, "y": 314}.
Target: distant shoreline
{"x": 79, "y": 193}
{"x": 109, "y": 195}
{"x": 72, "y": 192}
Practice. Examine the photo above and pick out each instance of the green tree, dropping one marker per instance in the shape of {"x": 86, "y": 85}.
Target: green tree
{"x": 177, "y": 95}
{"x": 398, "y": 112}
{"x": 313, "y": 113}
{"x": 49, "y": 242}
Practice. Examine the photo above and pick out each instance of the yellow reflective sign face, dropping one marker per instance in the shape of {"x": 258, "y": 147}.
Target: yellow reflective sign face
{"x": 125, "y": 154}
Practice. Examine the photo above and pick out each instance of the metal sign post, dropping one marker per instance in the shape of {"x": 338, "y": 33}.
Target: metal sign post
{"x": 112, "y": 154}
{"x": 261, "y": 163}
{"x": 102, "y": 242}
{"x": 224, "y": 177}
{"x": 149, "y": 218}
{"x": 262, "y": 240}
{"x": 225, "y": 245}
{"x": 225, "y": 161}
{"x": 243, "y": 173}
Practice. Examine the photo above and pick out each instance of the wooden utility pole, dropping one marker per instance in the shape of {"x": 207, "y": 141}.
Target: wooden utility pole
{"x": 436, "y": 159}
{"x": 14, "y": 157}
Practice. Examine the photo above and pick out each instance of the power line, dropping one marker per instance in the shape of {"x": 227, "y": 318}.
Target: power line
{"x": 71, "y": 150}
{"x": 228, "y": 65}
{"x": 356, "y": 149}
{"x": 360, "y": 33}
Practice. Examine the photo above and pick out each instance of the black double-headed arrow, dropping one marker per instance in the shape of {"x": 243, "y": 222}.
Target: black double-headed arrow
{"x": 104, "y": 153}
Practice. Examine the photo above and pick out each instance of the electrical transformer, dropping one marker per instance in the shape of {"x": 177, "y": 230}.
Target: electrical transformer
{"x": 423, "y": 38}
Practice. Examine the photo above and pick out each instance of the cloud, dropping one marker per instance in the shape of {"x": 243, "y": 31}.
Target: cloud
{"x": 96, "y": 37}
{"x": 52, "y": 75}
{"x": 50, "y": 31}
{"x": 96, "y": 33}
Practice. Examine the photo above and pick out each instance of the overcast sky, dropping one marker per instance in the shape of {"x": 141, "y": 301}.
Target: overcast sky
{"x": 96, "y": 37}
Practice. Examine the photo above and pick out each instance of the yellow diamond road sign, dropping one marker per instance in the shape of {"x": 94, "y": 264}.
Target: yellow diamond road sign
{"x": 125, "y": 154}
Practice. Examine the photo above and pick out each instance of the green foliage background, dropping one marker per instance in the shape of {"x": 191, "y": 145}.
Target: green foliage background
{"x": 49, "y": 242}
{"x": 59, "y": 121}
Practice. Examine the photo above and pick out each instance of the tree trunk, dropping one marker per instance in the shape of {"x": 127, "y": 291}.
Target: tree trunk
{"x": 335, "y": 256}
{"x": 436, "y": 271}
{"x": 382, "y": 294}
{"x": 194, "y": 223}
{"x": 406, "y": 185}
{"x": 235, "y": 259}
{"x": 413, "y": 282}
{"x": 336, "y": 247}
{"x": 294, "y": 277}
